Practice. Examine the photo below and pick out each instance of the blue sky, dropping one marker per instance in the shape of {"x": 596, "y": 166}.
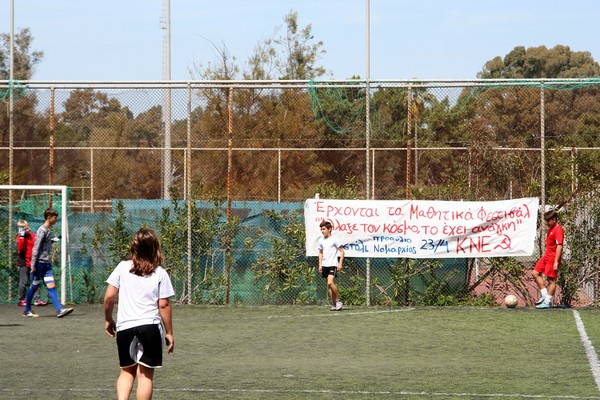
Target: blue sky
{"x": 111, "y": 40}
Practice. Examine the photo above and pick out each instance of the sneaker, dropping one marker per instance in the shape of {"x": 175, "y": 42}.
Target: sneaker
{"x": 63, "y": 312}
{"x": 540, "y": 300}
{"x": 39, "y": 303}
{"x": 30, "y": 315}
{"x": 338, "y": 306}
{"x": 543, "y": 305}
{"x": 21, "y": 303}
{"x": 332, "y": 308}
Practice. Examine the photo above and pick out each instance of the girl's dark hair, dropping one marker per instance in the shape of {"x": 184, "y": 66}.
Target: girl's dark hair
{"x": 145, "y": 252}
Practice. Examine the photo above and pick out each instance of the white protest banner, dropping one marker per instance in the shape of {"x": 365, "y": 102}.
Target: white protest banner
{"x": 425, "y": 229}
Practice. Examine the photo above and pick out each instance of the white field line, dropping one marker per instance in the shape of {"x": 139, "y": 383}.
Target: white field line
{"x": 340, "y": 313}
{"x": 366, "y": 393}
{"x": 589, "y": 349}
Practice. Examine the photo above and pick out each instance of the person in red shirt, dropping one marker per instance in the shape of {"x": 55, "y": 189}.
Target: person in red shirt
{"x": 549, "y": 263}
{"x": 25, "y": 241}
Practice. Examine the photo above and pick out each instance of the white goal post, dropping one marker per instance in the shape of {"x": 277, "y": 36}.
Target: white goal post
{"x": 63, "y": 226}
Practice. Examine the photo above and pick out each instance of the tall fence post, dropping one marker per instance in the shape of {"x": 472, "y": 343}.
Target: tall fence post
{"x": 188, "y": 193}
{"x": 542, "y": 159}
{"x": 408, "y": 132}
{"x": 11, "y": 138}
{"x": 229, "y": 183}
{"x": 574, "y": 171}
{"x": 278, "y": 173}
{"x": 373, "y": 174}
{"x": 51, "y": 158}
{"x": 92, "y": 208}
{"x": 368, "y": 166}
{"x": 368, "y": 134}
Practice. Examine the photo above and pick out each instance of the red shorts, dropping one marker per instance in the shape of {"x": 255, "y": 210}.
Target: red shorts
{"x": 545, "y": 266}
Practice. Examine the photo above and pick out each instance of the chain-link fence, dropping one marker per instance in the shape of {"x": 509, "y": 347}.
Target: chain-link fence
{"x": 247, "y": 154}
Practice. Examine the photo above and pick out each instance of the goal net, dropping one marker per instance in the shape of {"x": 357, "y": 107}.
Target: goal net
{"x": 28, "y": 202}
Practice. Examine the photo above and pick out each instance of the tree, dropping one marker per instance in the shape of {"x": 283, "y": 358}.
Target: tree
{"x": 89, "y": 105}
{"x": 226, "y": 67}
{"x": 510, "y": 117}
{"x": 261, "y": 117}
{"x": 441, "y": 122}
{"x": 28, "y": 124}
{"x": 93, "y": 118}
{"x": 25, "y": 59}
{"x": 293, "y": 54}
{"x": 541, "y": 62}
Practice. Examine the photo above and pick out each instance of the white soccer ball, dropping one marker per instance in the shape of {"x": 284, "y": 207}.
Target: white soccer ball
{"x": 510, "y": 301}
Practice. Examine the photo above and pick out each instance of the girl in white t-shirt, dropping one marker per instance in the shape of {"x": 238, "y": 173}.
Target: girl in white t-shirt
{"x": 143, "y": 288}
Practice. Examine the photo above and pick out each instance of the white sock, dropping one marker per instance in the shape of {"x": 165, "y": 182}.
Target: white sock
{"x": 544, "y": 292}
{"x": 548, "y": 299}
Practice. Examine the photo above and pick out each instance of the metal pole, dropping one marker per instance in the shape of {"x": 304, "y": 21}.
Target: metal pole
{"x": 188, "y": 193}
{"x": 51, "y": 156}
{"x": 92, "y": 180}
{"x": 416, "y": 130}
{"x": 167, "y": 178}
{"x": 368, "y": 104}
{"x": 11, "y": 78}
{"x": 279, "y": 175}
{"x": 542, "y": 158}
{"x": 408, "y": 167}
{"x": 574, "y": 171}
{"x": 408, "y": 132}
{"x": 373, "y": 174}
{"x": 11, "y": 135}
{"x": 368, "y": 139}
{"x": 64, "y": 231}
{"x": 229, "y": 184}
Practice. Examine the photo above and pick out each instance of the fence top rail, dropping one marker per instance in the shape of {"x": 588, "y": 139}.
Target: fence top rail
{"x": 280, "y": 84}
{"x": 184, "y": 148}
{"x": 34, "y": 187}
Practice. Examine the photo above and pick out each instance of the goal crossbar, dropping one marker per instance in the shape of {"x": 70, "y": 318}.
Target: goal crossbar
{"x": 63, "y": 227}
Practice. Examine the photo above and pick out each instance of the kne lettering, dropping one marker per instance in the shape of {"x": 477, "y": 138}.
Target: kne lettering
{"x": 472, "y": 245}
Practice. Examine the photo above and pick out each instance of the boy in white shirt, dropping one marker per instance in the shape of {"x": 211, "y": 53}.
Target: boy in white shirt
{"x": 329, "y": 263}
